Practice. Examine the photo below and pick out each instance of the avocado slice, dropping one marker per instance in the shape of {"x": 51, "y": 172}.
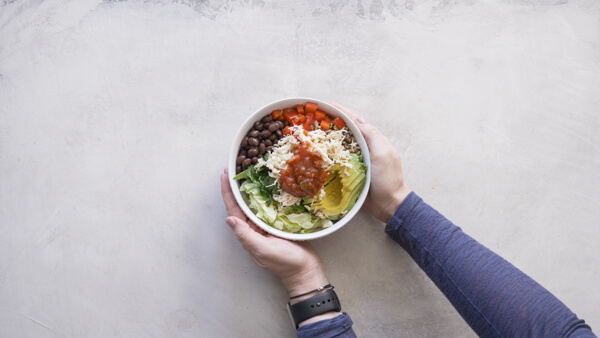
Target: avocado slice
{"x": 342, "y": 189}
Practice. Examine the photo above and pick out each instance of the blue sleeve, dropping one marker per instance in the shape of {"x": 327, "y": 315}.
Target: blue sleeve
{"x": 494, "y": 297}
{"x": 340, "y": 326}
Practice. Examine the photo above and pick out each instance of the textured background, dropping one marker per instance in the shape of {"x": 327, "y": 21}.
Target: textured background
{"x": 116, "y": 119}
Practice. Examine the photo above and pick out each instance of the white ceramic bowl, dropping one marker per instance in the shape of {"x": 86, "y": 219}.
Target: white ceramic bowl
{"x": 258, "y": 115}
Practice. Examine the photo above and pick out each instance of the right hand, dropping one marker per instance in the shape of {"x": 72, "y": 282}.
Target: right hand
{"x": 388, "y": 187}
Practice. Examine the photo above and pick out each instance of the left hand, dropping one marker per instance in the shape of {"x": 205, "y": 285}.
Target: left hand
{"x": 297, "y": 263}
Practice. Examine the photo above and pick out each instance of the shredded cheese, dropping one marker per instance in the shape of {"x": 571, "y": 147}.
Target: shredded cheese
{"x": 280, "y": 155}
{"x": 286, "y": 199}
{"x": 328, "y": 144}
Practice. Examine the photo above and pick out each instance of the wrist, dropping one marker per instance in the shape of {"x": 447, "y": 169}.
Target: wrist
{"x": 305, "y": 282}
{"x": 396, "y": 199}
{"x": 324, "y": 316}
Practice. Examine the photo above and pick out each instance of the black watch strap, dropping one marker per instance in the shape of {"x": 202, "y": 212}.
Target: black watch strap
{"x": 314, "y": 306}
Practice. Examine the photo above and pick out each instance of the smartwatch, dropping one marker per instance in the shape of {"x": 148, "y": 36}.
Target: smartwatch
{"x": 313, "y": 306}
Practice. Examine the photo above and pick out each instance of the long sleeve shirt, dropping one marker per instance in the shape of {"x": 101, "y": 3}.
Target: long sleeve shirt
{"x": 494, "y": 297}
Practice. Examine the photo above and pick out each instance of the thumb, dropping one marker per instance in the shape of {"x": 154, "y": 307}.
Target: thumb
{"x": 249, "y": 238}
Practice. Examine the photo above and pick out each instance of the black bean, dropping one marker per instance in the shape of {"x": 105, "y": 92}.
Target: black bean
{"x": 252, "y": 152}
{"x": 258, "y": 125}
{"x": 243, "y": 152}
{"x": 268, "y": 143}
{"x": 245, "y": 141}
{"x": 262, "y": 148}
{"x": 286, "y": 124}
{"x": 279, "y": 125}
{"x": 279, "y": 133}
{"x": 273, "y": 127}
{"x": 246, "y": 163}
{"x": 254, "y": 133}
{"x": 269, "y": 148}
{"x": 238, "y": 169}
{"x": 265, "y": 134}
{"x": 272, "y": 137}
{"x": 252, "y": 141}
{"x": 267, "y": 119}
{"x": 254, "y": 159}
{"x": 240, "y": 159}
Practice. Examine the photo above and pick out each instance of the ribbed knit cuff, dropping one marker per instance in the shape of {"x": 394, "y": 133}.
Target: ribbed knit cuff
{"x": 402, "y": 214}
{"x": 334, "y": 327}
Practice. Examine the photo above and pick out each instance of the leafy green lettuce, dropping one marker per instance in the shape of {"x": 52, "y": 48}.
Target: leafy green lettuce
{"x": 264, "y": 183}
{"x": 260, "y": 188}
{"x": 258, "y": 203}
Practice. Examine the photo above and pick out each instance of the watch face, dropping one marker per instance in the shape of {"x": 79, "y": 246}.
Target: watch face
{"x": 291, "y": 317}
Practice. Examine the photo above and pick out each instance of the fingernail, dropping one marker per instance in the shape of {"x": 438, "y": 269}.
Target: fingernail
{"x": 230, "y": 221}
{"x": 361, "y": 120}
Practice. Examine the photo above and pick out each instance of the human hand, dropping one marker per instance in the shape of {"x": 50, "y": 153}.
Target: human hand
{"x": 297, "y": 263}
{"x": 388, "y": 187}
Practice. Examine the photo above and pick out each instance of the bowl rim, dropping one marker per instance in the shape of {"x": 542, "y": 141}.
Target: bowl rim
{"x": 281, "y": 104}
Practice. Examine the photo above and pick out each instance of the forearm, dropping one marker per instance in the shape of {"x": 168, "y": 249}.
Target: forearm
{"x": 494, "y": 297}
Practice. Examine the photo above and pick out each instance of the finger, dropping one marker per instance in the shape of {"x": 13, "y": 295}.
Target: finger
{"x": 233, "y": 209}
{"x": 368, "y": 130}
{"x": 250, "y": 239}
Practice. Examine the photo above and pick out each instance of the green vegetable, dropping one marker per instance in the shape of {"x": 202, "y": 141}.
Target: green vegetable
{"x": 266, "y": 184}
{"x": 258, "y": 203}
{"x": 342, "y": 189}
{"x": 302, "y": 223}
{"x": 260, "y": 188}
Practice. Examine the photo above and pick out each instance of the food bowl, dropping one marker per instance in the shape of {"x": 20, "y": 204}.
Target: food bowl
{"x": 282, "y": 104}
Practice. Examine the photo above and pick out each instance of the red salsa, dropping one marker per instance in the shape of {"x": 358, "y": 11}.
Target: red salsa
{"x": 304, "y": 175}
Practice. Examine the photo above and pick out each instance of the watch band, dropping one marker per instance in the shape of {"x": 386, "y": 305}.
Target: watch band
{"x": 314, "y": 306}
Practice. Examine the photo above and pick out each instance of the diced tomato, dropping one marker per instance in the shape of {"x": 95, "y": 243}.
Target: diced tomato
{"x": 287, "y": 131}
{"x": 326, "y": 124}
{"x": 320, "y": 115}
{"x": 290, "y": 115}
{"x": 339, "y": 122}
{"x": 297, "y": 120}
{"x": 300, "y": 109}
{"x": 309, "y": 121}
{"x": 311, "y": 107}
{"x": 276, "y": 114}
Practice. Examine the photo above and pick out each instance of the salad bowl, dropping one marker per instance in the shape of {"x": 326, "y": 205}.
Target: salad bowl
{"x": 242, "y": 198}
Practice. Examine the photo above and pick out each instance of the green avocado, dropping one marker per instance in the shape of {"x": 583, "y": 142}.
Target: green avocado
{"x": 342, "y": 188}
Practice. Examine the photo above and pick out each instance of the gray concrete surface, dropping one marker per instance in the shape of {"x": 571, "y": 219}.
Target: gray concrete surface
{"x": 115, "y": 121}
